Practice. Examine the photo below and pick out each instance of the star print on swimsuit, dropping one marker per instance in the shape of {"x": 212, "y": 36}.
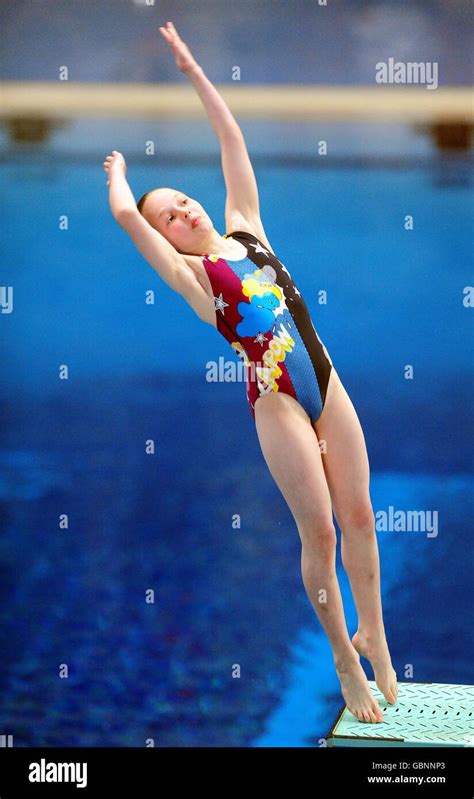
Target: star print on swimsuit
{"x": 220, "y": 304}
{"x": 260, "y": 338}
{"x": 258, "y": 248}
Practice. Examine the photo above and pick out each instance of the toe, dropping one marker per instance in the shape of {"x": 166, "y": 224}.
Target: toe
{"x": 393, "y": 692}
{"x": 377, "y": 713}
{"x": 386, "y": 690}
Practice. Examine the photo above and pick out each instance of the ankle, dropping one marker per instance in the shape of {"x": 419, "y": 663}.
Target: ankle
{"x": 347, "y": 661}
{"x": 371, "y": 636}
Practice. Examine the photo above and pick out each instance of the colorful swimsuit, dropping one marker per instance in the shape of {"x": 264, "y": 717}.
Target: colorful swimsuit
{"x": 261, "y": 313}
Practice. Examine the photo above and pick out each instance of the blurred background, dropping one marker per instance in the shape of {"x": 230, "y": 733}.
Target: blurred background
{"x": 162, "y": 670}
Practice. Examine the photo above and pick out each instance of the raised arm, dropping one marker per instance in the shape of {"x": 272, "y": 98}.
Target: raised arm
{"x": 160, "y": 254}
{"x": 242, "y": 202}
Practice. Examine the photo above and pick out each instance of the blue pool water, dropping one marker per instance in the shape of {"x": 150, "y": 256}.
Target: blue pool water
{"x": 163, "y": 523}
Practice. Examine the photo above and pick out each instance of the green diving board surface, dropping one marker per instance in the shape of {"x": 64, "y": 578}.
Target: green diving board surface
{"x": 425, "y": 714}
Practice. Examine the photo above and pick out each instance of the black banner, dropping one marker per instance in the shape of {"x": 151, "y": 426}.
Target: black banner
{"x": 81, "y": 772}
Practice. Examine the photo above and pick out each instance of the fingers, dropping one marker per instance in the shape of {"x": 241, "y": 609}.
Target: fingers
{"x": 166, "y": 33}
{"x": 169, "y": 32}
{"x": 109, "y": 160}
{"x": 115, "y": 154}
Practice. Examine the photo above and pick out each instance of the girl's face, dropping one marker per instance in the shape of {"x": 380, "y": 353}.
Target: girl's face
{"x": 180, "y": 219}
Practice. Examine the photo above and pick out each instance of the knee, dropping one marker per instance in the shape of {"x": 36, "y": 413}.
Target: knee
{"x": 318, "y": 537}
{"x": 359, "y": 517}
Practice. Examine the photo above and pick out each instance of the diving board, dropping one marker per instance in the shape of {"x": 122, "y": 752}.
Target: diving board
{"x": 425, "y": 714}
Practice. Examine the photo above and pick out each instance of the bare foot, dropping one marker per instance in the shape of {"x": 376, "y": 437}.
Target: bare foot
{"x": 356, "y": 692}
{"x": 376, "y": 651}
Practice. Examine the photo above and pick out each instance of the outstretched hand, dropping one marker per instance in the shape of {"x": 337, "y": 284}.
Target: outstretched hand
{"x": 184, "y": 58}
{"x": 114, "y": 163}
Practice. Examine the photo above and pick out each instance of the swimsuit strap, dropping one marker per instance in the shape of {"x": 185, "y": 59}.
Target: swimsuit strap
{"x": 239, "y": 233}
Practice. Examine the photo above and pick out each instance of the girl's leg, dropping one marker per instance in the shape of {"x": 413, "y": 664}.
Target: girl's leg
{"x": 292, "y": 454}
{"x": 346, "y": 467}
